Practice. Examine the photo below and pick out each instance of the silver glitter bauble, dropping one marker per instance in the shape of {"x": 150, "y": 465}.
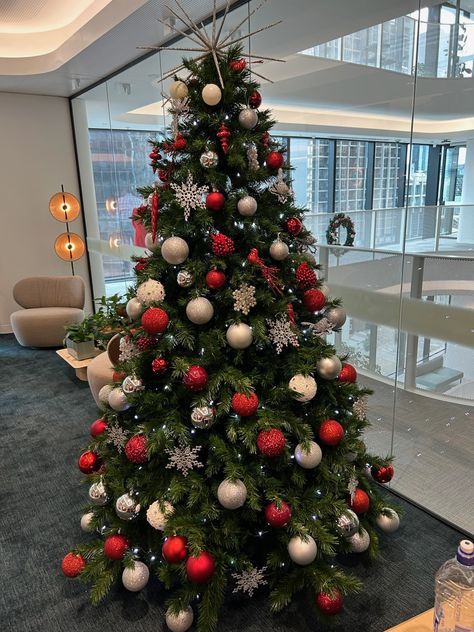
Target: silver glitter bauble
{"x": 302, "y": 552}
{"x": 248, "y": 118}
{"x": 390, "y": 522}
{"x": 184, "y": 278}
{"x": 304, "y": 386}
{"x": 156, "y": 517}
{"x": 178, "y": 90}
{"x": 203, "y": 416}
{"x": 360, "y": 541}
{"x": 199, "y": 310}
{"x": 118, "y": 400}
{"x": 134, "y": 309}
{"x": 103, "y": 396}
{"x": 86, "y": 522}
{"x": 150, "y": 291}
{"x": 348, "y": 523}
{"x": 232, "y": 494}
{"x": 308, "y": 459}
{"x": 174, "y": 250}
{"x": 132, "y": 384}
{"x": 239, "y": 336}
{"x": 336, "y": 316}
{"x": 98, "y": 493}
{"x": 136, "y": 578}
{"x": 180, "y": 622}
{"x": 247, "y": 206}
{"x": 211, "y": 94}
{"x": 279, "y": 250}
{"x": 209, "y": 159}
{"x": 151, "y": 245}
{"x": 329, "y": 368}
{"x": 126, "y": 507}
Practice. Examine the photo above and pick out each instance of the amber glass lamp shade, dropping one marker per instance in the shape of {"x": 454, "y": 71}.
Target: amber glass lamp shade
{"x": 64, "y": 207}
{"x": 69, "y": 247}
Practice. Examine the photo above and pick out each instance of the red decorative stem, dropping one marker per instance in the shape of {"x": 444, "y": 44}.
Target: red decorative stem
{"x": 268, "y": 272}
{"x": 154, "y": 214}
{"x": 223, "y": 135}
{"x": 291, "y": 313}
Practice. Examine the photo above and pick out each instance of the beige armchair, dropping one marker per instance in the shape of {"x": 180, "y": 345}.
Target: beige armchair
{"x": 50, "y": 304}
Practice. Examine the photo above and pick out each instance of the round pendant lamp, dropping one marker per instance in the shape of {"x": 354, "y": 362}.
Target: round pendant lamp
{"x": 64, "y": 207}
{"x": 69, "y": 246}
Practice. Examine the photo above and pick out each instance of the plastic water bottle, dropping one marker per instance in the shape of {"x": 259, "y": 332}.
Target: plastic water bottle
{"x": 454, "y": 587}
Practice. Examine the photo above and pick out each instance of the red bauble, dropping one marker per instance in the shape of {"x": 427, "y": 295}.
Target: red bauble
{"x": 146, "y": 342}
{"x": 348, "y": 373}
{"x": 118, "y": 376}
{"x": 222, "y": 245}
{"x": 115, "y": 546}
{"x": 98, "y": 427}
{"x": 278, "y": 517}
{"x": 329, "y": 603}
{"x": 238, "y": 65}
{"x": 215, "y": 279}
{"x": 314, "y": 300}
{"x": 243, "y": 405}
{"x": 174, "y": 549}
{"x": 331, "y": 432}
{"x": 195, "y": 378}
{"x": 179, "y": 142}
{"x": 89, "y": 462}
{"x": 163, "y": 175}
{"x": 360, "y": 503}
{"x": 201, "y": 568}
{"x": 294, "y": 226}
{"x": 136, "y": 449}
{"x": 159, "y": 365}
{"x": 382, "y": 474}
{"x": 271, "y": 442}
{"x": 155, "y": 320}
{"x": 215, "y": 201}
{"x": 275, "y": 160}
{"x": 255, "y": 100}
{"x": 305, "y": 276}
{"x": 72, "y": 564}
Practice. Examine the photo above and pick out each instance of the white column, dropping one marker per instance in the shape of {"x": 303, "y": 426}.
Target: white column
{"x": 466, "y": 217}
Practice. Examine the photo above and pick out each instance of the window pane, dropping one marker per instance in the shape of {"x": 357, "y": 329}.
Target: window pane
{"x": 309, "y": 158}
{"x": 351, "y": 173}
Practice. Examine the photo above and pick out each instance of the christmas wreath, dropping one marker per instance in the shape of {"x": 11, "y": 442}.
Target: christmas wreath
{"x": 337, "y": 221}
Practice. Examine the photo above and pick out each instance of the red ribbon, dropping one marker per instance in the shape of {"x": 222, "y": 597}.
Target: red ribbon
{"x": 291, "y": 313}
{"x": 154, "y": 214}
{"x": 268, "y": 272}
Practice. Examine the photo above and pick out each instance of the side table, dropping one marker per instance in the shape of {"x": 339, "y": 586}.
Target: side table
{"x": 421, "y": 623}
{"x": 79, "y": 365}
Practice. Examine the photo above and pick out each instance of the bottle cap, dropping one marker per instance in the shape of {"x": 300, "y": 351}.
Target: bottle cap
{"x": 465, "y": 553}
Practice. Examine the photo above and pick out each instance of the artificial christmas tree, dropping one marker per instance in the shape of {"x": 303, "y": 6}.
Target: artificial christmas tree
{"x": 230, "y": 427}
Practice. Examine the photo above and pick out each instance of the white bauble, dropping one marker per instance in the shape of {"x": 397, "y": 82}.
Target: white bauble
{"x": 209, "y": 159}
{"x": 348, "y": 523}
{"x": 184, "y": 278}
{"x": 239, "y": 336}
{"x": 150, "y": 291}
{"x": 389, "y": 523}
{"x": 302, "y": 552}
{"x": 134, "y": 309}
{"x": 127, "y": 507}
{"x": 86, "y": 522}
{"x": 329, "y": 368}
{"x": 150, "y": 244}
{"x": 98, "y": 493}
{"x": 308, "y": 459}
{"x": 199, "y": 310}
{"x": 180, "y": 622}
{"x": 211, "y": 94}
{"x": 103, "y": 395}
{"x": 174, "y": 250}
{"x": 132, "y": 384}
{"x": 359, "y": 542}
{"x": 178, "y": 90}
{"x": 279, "y": 250}
{"x": 118, "y": 400}
{"x": 156, "y": 517}
{"x": 304, "y": 386}
{"x": 136, "y": 578}
{"x": 247, "y": 206}
{"x": 248, "y": 118}
{"x": 336, "y": 316}
{"x": 232, "y": 494}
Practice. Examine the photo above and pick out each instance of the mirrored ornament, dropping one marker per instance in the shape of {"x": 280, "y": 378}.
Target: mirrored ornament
{"x": 279, "y": 250}
{"x": 390, "y": 522}
{"x": 329, "y": 368}
{"x": 135, "y": 578}
{"x": 203, "y": 416}
{"x": 247, "y": 206}
{"x": 209, "y": 159}
{"x": 360, "y": 541}
{"x": 232, "y": 494}
{"x": 86, "y": 522}
{"x": 151, "y": 245}
{"x": 302, "y": 551}
{"x": 126, "y": 507}
{"x": 180, "y": 622}
{"x": 156, "y": 516}
{"x": 98, "y": 493}
{"x": 239, "y": 336}
{"x": 336, "y": 316}
{"x": 150, "y": 291}
{"x": 248, "y": 118}
{"x": 132, "y": 384}
{"x": 184, "y": 278}
{"x": 304, "y": 387}
{"x": 199, "y": 310}
{"x": 118, "y": 400}
{"x": 308, "y": 459}
{"x": 348, "y": 523}
{"x": 174, "y": 250}
{"x": 134, "y": 309}
{"x": 211, "y": 94}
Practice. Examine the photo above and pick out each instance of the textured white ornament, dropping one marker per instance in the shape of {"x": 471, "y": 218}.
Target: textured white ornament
{"x": 239, "y": 336}
{"x": 209, "y": 159}
{"x": 232, "y": 494}
{"x": 336, "y": 316}
{"x": 136, "y": 578}
{"x": 150, "y": 244}
{"x": 360, "y": 542}
{"x": 132, "y": 384}
{"x": 126, "y": 507}
{"x": 180, "y": 622}
{"x": 389, "y": 523}
{"x": 203, "y": 416}
{"x": 104, "y": 395}
{"x": 248, "y": 118}
{"x": 308, "y": 459}
{"x": 211, "y": 94}
{"x": 199, "y": 310}
{"x": 156, "y": 516}
{"x": 302, "y": 552}
{"x": 247, "y": 206}
{"x": 86, "y": 522}
{"x": 178, "y": 90}
{"x": 279, "y": 250}
{"x": 134, "y": 309}
{"x": 150, "y": 292}
{"x": 348, "y": 523}
{"x": 174, "y": 250}
{"x": 118, "y": 400}
{"x": 304, "y": 386}
{"x": 329, "y": 368}
{"x": 184, "y": 278}
{"x": 98, "y": 493}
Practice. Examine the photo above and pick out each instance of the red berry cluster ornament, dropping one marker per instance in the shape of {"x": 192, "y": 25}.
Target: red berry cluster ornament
{"x": 98, "y": 427}
{"x": 215, "y": 201}
{"x": 278, "y": 517}
{"x": 329, "y": 603}
{"x": 159, "y": 365}
{"x": 222, "y": 245}
{"x": 72, "y": 564}
{"x": 238, "y": 64}
{"x": 265, "y": 140}
{"x": 275, "y": 160}
{"x": 244, "y": 405}
{"x": 223, "y": 135}
{"x": 155, "y": 320}
{"x": 359, "y": 502}
{"x": 118, "y": 376}
{"x": 89, "y": 462}
{"x": 163, "y": 175}
{"x": 255, "y": 100}
{"x": 331, "y": 432}
{"x": 136, "y": 449}
{"x": 155, "y": 156}
{"x": 179, "y": 142}
{"x": 294, "y": 226}
{"x": 382, "y": 474}
{"x": 305, "y": 276}
{"x": 271, "y": 442}
{"x": 314, "y": 300}
{"x": 215, "y": 279}
{"x": 174, "y": 549}
{"x": 146, "y": 342}
{"x": 115, "y": 546}
{"x": 200, "y": 568}
{"x": 195, "y": 378}
{"x": 348, "y": 373}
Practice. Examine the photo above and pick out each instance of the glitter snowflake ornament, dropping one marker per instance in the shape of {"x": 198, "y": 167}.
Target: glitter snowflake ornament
{"x": 189, "y": 196}
{"x": 352, "y": 486}
{"x": 178, "y": 108}
{"x": 280, "y": 189}
{"x": 244, "y": 298}
{"x": 360, "y": 408}
{"x": 127, "y": 349}
{"x": 184, "y": 458}
{"x": 252, "y": 157}
{"x": 249, "y": 580}
{"x": 281, "y": 333}
{"x": 117, "y": 436}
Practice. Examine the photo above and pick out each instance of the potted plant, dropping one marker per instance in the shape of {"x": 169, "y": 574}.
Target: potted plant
{"x": 80, "y": 340}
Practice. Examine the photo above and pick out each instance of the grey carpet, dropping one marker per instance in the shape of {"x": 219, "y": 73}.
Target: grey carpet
{"x": 45, "y": 415}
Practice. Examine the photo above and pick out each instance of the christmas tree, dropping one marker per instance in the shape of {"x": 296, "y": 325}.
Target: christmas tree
{"x": 229, "y": 453}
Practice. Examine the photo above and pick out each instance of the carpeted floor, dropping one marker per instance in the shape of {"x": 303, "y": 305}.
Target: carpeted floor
{"x": 45, "y": 415}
